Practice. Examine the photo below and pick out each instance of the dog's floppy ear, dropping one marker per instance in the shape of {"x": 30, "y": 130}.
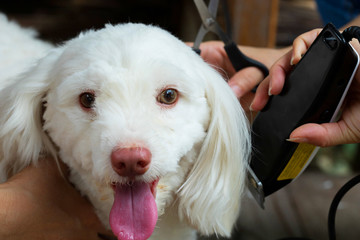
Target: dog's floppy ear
{"x": 21, "y": 136}
{"x": 210, "y": 198}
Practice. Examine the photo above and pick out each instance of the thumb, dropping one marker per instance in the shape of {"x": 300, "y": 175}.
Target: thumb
{"x": 323, "y": 135}
{"x": 245, "y": 80}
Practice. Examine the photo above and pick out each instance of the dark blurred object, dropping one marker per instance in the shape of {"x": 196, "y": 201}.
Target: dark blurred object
{"x": 57, "y": 21}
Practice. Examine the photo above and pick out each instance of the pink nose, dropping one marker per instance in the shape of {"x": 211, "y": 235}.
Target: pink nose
{"x": 130, "y": 162}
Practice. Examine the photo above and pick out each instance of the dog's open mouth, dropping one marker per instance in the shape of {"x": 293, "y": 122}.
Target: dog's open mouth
{"x": 134, "y": 212}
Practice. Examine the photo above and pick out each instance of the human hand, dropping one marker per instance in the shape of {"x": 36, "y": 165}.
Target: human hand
{"x": 243, "y": 81}
{"x": 39, "y": 203}
{"x": 346, "y": 130}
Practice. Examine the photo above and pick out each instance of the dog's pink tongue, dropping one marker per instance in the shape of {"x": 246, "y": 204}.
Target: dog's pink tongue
{"x": 134, "y": 213}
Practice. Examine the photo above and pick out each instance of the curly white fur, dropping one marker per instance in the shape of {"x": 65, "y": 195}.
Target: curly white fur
{"x": 199, "y": 147}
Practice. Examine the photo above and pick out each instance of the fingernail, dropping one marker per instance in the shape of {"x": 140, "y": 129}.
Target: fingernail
{"x": 270, "y": 87}
{"x": 250, "y": 108}
{"x": 238, "y": 91}
{"x": 292, "y": 61}
{"x": 297, "y": 140}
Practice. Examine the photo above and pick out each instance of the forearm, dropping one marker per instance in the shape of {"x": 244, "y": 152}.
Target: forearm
{"x": 267, "y": 56}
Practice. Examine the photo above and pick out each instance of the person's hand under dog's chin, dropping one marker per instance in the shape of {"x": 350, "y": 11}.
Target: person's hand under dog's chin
{"x": 39, "y": 203}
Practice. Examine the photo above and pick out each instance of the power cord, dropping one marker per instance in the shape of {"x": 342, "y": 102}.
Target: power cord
{"x": 335, "y": 203}
{"x": 333, "y": 208}
{"x": 351, "y": 32}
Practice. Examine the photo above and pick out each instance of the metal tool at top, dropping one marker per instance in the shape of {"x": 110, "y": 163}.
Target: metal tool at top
{"x": 209, "y": 24}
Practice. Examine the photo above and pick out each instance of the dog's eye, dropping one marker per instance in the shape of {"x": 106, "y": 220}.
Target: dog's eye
{"x": 168, "y": 96}
{"x": 87, "y": 100}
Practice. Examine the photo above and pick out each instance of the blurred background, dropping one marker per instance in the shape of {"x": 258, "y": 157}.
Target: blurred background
{"x": 300, "y": 209}
{"x": 255, "y": 22}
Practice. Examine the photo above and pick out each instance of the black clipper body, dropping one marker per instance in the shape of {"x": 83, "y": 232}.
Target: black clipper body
{"x": 313, "y": 93}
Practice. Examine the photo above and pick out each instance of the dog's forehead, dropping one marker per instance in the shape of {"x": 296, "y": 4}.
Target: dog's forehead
{"x": 126, "y": 43}
{"x": 130, "y": 59}
{"x": 138, "y": 48}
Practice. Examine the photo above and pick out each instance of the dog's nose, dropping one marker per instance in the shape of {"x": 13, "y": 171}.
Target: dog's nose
{"x": 130, "y": 162}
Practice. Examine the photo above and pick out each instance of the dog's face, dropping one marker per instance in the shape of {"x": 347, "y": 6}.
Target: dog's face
{"x": 138, "y": 117}
{"x": 121, "y": 94}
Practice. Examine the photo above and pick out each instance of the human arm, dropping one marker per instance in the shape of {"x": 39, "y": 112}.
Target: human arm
{"x": 39, "y": 203}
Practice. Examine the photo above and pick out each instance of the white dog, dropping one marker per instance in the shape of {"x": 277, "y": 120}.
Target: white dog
{"x": 153, "y": 135}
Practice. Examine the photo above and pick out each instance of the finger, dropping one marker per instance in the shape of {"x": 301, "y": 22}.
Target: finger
{"x": 278, "y": 74}
{"x": 214, "y": 54}
{"x": 302, "y": 43}
{"x": 261, "y": 96}
{"x": 245, "y": 80}
{"x": 323, "y": 135}
{"x": 273, "y": 84}
{"x": 245, "y": 102}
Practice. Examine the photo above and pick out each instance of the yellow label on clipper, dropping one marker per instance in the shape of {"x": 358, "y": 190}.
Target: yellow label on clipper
{"x": 297, "y": 161}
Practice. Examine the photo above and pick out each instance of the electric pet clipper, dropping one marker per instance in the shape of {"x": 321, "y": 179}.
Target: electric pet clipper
{"x": 313, "y": 93}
